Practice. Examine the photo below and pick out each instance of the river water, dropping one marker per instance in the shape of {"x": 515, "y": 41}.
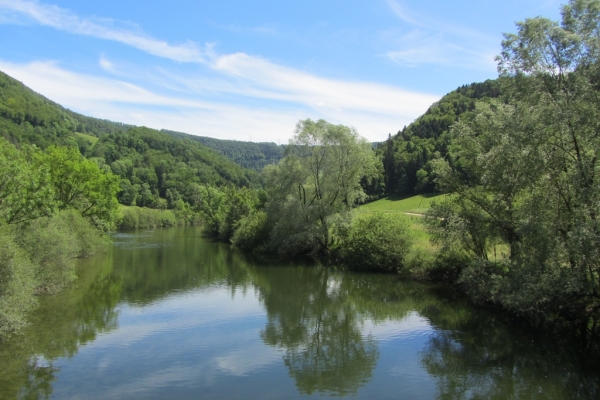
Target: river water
{"x": 167, "y": 314}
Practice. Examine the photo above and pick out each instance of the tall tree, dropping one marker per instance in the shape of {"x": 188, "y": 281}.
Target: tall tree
{"x": 319, "y": 177}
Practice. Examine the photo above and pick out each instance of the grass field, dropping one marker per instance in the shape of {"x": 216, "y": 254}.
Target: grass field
{"x": 92, "y": 139}
{"x": 418, "y": 204}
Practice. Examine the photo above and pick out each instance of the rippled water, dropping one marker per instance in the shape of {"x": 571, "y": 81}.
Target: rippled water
{"x": 167, "y": 314}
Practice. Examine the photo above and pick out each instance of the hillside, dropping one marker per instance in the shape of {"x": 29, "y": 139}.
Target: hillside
{"x": 407, "y": 154}
{"x": 156, "y": 169}
{"x": 249, "y": 155}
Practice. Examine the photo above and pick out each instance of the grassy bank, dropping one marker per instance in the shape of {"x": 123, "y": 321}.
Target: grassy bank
{"x": 412, "y": 208}
{"x": 418, "y": 204}
{"x": 132, "y": 217}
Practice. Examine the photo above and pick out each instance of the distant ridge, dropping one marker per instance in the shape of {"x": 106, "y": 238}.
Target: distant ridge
{"x": 252, "y": 155}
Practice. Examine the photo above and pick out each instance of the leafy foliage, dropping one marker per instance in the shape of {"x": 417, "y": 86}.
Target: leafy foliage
{"x": 377, "y": 242}
{"x": 319, "y": 178}
{"x": 155, "y": 168}
{"x": 524, "y": 174}
{"x": 51, "y": 203}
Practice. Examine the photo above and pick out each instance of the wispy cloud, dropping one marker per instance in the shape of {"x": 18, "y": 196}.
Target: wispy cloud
{"x": 265, "y": 29}
{"x": 234, "y": 96}
{"x": 259, "y": 108}
{"x": 431, "y": 41}
{"x": 105, "y": 64}
{"x": 64, "y": 20}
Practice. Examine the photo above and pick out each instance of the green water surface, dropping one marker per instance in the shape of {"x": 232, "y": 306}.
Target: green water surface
{"x": 167, "y": 314}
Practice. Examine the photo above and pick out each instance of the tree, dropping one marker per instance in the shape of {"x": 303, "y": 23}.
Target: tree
{"x": 25, "y": 192}
{"x": 319, "y": 177}
{"x": 79, "y": 183}
{"x": 525, "y": 173}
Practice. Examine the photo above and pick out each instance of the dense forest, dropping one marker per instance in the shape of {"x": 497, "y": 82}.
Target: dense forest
{"x": 156, "y": 169}
{"x": 407, "y": 156}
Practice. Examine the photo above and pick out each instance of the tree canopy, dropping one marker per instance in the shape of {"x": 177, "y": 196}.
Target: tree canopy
{"x": 319, "y": 178}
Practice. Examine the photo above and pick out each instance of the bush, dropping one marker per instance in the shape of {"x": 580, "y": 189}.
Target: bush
{"x": 252, "y": 232}
{"x": 17, "y": 284}
{"x": 378, "y": 242}
{"x": 54, "y": 243}
{"x": 444, "y": 265}
{"x": 39, "y": 258}
{"x": 143, "y": 218}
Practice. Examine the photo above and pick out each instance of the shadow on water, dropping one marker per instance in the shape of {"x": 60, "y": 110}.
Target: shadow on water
{"x": 315, "y": 316}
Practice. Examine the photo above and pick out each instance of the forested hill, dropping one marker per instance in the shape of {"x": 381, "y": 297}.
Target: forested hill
{"x": 247, "y": 154}
{"x": 28, "y": 117}
{"x": 406, "y": 156}
{"x": 155, "y": 167}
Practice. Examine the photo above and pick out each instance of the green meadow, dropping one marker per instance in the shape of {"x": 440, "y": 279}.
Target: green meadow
{"x": 418, "y": 204}
{"x": 413, "y": 208}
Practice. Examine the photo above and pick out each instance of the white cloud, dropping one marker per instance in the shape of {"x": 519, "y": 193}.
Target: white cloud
{"x": 234, "y": 96}
{"x": 435, "y": 42}
{"x": 105, "y": 64}
{"x": 259, "y": 100}
{"x": 418, "y": 47}
{"x": 64, "y": 20}
{"x": 75, "y": 90}
{"x": 269, "y": 80}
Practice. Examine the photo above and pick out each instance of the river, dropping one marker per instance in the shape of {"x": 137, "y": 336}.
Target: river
{"x": 167, "y": 314}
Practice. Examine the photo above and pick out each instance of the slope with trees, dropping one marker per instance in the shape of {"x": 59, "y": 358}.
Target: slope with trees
{"x": 249, "y": 155}
{"x": 156, "y": 169}
{"x": 407, "y": 156}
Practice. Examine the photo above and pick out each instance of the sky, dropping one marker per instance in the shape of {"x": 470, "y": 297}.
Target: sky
{"x": 250, "y": 70}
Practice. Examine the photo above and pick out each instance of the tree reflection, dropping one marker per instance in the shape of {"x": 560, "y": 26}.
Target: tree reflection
{"x": 58, "y": 328}
{"x": 309, "y": 315}
{"x": 482, "y": 357}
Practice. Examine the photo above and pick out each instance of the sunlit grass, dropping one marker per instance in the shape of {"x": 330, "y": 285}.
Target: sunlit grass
{"x": 92, "y": 139}
{"x": 418, "y": 204}
{"x": 406, "y": 206}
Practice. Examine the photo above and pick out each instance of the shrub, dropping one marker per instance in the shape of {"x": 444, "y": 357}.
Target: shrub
{"x": 378, "y": 242}
{"x": 144, "y": 218}
{"x": 54, "y": 243}
{"x": 444, "y": 265}
{"x": 252, "y": 232}
{"x": 17, "y": 284}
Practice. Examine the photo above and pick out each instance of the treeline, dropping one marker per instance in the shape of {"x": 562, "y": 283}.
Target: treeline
{"x": 54, "y": 207}
{"x": 157, "y": 170}
{"x": 254, "y": 156}
{"x": 30, "y": 118}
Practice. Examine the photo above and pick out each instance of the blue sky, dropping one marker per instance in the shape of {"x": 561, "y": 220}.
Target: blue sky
{"x": 249, "y": 70}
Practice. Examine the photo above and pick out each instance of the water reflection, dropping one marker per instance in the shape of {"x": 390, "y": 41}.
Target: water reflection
{"x": 58, "y": 328}
{"x": 482, "y": 357}
{"x": 167, "y": 313}
{"x": 311, "y": 316}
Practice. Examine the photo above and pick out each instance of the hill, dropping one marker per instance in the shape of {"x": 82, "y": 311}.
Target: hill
{"x": 156, "y": 168}
{"x": 250, "y": 155}
{"x": 407, "y": 154}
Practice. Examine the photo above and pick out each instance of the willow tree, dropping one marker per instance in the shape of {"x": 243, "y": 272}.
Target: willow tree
{"x": 524, "y": 172}
{"x": 318, "y": 179}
